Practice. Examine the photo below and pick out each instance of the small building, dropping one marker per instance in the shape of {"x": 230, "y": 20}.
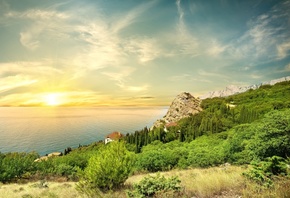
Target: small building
{"x": 168, "y": 125}
{"x": 113, "y": 136}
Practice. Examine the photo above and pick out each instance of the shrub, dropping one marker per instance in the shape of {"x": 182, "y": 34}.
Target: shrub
{"x": 109, "y": 168}
{"x": 263, "y": 172}
{"x": 201, "y": 152}
{"x": 272, "y": 136}
{"x": 14, "y": 165}
{"x": 151, "y": 185}
{"x": 160, "y": 157}
{"x": 156, "y": 160}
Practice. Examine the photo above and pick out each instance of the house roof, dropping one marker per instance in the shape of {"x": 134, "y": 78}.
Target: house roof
{"x": 171, "y": 124}
{"x": 115, "y": 135}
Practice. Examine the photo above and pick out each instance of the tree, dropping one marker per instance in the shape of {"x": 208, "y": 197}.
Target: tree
{"x": 109, "y": 168}
{"x": 272, "y": 135}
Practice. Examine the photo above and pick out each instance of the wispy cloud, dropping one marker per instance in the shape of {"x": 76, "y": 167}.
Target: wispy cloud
{"x": 121, "y": 76}
{"x": 212, "y": 74}
{"x": 121, "y": 79}
{"x": 188, "y": 78}
{"x": 35, "y": 69}
{"x": 101, "y": 48}
{"x": 146, "y": 49}
{"x": 34, "y": 14}
{"x": 267, "y": 36}
{"x": 187, "y": 42}
{"x": 37, "y": 24}
{"x": 127, "y": 19}
{"x": 255, "y": 76}
{"x": 28, "y": 39}
{"x": 135, "y": 88}
{"x": 287, "y": 68}
{"x": 12, "y": 82}
{"x": 215, "y": 48}
{"x": 283, "y": 49}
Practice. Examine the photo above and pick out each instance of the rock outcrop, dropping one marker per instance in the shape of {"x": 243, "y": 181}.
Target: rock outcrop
{"x": 45, "y": 158}
{"x": 233, "y": 89}
{"x": 182, "y": 106}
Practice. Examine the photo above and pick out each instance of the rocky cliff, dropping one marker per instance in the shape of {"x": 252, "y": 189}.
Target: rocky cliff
{"x": 182, "y": 106}
{"x": 233, "y": 89}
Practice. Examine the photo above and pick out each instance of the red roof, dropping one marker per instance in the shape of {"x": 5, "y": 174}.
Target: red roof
{"x": 115, "y": 135}
{"x": 171, "y": 124}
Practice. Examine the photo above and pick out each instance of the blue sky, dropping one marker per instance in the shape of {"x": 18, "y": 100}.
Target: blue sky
{"x": 137, "y": 52}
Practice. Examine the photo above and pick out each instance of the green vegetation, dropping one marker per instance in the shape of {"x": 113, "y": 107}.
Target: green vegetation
{"x": 152, "y": 185}
{"x": 16, "y": 165}
{"x": 219, "y": 115}
{"x": 248, "y": 128}
{"x": 263, "y": 172}
{"x": 109, "y": 169}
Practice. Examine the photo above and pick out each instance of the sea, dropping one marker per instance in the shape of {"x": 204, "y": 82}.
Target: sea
{"x": 50, "y": 129}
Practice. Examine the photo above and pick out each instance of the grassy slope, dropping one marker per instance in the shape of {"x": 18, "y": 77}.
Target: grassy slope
{"x": 211, "y": 182}
{"x": 34, "y": 189}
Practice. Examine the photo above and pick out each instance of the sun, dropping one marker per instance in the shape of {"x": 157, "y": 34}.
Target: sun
{"x": 52, "y": 99}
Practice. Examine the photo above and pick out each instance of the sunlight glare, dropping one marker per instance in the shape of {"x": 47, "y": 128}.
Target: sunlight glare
{"x": 52, "y": 99}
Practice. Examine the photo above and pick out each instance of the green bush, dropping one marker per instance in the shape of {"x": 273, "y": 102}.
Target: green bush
{"x": 14, "y": 165}
{"x": 272, "y": 136}
{"x": 156, "y": 160}
{"x": 206, "y": 151}
{"x": 151, "y": 185}
{"x": 109, "y": 168}
{"x": 160, "y": 157}
{"x": 263, "y": 172}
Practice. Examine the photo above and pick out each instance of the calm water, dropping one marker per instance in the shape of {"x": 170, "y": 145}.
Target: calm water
{"x": 45, "y": 130}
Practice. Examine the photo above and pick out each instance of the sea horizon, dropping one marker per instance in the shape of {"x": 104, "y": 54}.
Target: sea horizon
{"x": 52, "y": 129}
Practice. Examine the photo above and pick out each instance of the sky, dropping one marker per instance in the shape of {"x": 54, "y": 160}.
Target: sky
{"x": 137, "y": 52}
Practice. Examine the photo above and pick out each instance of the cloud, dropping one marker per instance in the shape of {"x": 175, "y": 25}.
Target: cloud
{"x": 136, "y": 88}
{"x": 287, "y": 67}
{"x": 283, "y": 49}
{"x": 146, "y": 49}
{"x": 140, "y": 98}
{"x": 99, "y": 47}
{"x": 121, "y": 76}
{"x": 267, "y": 33}
{"x": 187, "y": 78}
{"x": 27, "y": 39}
{"x": 216, "y": 49}
{"x": 35, "y": 14}
{"x": 129, "y": 18}
{"x": 12, "y": 82}
{"x": 36, "y": 69}
{"x": 255, "y": 76}
{"x": 90, "y": 43}
{"x": 36, "y": 25}
{"x": 211, "y": 74}
{"x": 4, "y": 8}
{"x": 188, "y": 43}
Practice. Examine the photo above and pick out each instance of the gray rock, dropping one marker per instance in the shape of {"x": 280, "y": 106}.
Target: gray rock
{"x": 182, "y": 106}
